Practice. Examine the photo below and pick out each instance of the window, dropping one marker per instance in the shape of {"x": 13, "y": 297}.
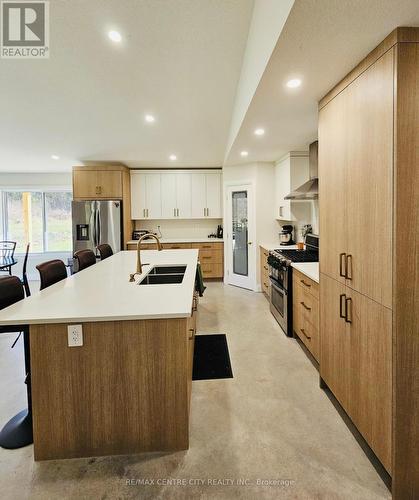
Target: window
{"x": 41, "y": 218}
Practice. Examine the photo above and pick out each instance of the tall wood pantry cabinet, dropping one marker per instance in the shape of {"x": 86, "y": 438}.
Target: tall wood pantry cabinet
{"x": 369, "y": 257}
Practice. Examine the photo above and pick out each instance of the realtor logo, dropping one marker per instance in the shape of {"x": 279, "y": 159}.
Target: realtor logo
{"x": 24, "y": 29}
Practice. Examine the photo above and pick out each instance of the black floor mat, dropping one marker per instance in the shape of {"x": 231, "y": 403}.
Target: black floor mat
{"x": 211, "y": 358}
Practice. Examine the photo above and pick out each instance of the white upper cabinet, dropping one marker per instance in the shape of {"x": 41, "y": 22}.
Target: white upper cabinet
{"x": 184, "y": 195}
{"x": 168, "y": 196}
{"x": 206, "y": 195}
{"x": 146, "y": 196}
{"x": 290, "y": 172}
{"x": 175, "y": 195}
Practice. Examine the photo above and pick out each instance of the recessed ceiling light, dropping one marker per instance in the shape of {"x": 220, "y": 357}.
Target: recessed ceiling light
{"x": 293, "y": 83}
{"x": 244, "y": 153}
{"x": 115, "y": 36}
{"x": 172, "y": 157}
{"x": 259, "y": 131}
{"x": 149, "y": 118}
{"x": 55, "y": 157}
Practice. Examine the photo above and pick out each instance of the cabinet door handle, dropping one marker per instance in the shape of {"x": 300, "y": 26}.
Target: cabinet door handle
{"x": 304, "y": 333}
{"x": 280, "y": 211}
{"x": 147, "y": 212}
{"x": 342, "y": 300}
{"x": 348, "y": 265}
{"x": 206, "y": 246}
{"x": 342, "y": 265}
{"x": 348, "y": 310}
{"x": 305, "y": 307}
{"x": 143, "y": 212}
{"x": 265, "y": 267}
{"x": 305, "y": 284}
{"x": 206, "y": 257}
{"x": 193, "y": 333}
{"x": 177, "y": 212}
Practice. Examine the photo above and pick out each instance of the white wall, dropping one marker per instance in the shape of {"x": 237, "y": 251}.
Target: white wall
{"x": 32, "y": 181}
{"x": 191, "y": 228}
{"x": 268, "y": 19}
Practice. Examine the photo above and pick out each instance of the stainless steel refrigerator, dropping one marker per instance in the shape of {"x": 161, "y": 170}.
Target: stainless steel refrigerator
{"x": 96, "y": 222}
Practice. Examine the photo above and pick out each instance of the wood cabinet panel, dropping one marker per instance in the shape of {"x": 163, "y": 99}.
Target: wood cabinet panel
{"x": 369, "y": 186}
{"x": 210, "y": 246}
{"x": 332, "y": 175}
{"x": 264, "y": 271}
{"x": 370, "y": 407}
{"x": 335, "y": 345}
{"x": 210, "y": 270}
{"x": 215, "y": 256}
{"x": 177, "y": 246}
{"x": 141, "y": 399}
{"x": 306, "y": 283}
{"x": 97, "y": 184}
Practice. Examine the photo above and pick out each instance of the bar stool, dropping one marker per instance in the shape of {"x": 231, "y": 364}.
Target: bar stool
{"x": 105, "y": 251}
{"x": 51, "y": 272}
{"x": 18, "y": 430}
{"x": 85, "y": 259}
{"x": 24, "y": 272}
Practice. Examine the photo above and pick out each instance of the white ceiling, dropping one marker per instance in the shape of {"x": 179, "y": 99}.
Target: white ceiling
{"x": 179, "y": 60}
{"x": 320, "y": 43}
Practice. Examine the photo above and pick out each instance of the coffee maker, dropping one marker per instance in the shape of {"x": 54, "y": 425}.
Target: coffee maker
{"x": 285, "y": 236}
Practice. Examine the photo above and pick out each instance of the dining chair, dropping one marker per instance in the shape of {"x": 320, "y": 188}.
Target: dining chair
{"x": 51, "y": 272}
{"x": 105, "y": 251}
{"x": 7, "y": 251}
{"x": 24, "y": 272}
{"x": 84, "y": 259}
{"x": 18, "y": 430}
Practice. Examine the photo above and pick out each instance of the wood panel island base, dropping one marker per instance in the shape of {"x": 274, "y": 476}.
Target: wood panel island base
{"x": 127, "y": 388}
{"x": 125, "y": 391}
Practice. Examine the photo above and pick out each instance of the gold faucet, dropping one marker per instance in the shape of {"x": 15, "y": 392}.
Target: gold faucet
{"x": 139, "y": 265}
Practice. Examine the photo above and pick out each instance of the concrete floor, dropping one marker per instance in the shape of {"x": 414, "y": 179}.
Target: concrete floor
{"x": 270, "y": 423}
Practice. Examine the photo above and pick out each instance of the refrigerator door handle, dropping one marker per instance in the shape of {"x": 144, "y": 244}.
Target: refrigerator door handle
{"x": 99, "y": 229}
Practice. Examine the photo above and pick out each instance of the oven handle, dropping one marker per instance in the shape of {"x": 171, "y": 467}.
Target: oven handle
{"x": 276, "y": 285}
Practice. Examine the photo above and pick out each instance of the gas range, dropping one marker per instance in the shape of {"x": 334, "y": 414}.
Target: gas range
{"x": 310, "y": 254}
{"x": 280, "y": 274}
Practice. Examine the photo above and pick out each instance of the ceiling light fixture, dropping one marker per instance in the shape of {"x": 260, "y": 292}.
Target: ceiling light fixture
{"x": 293, "y": 83}
{"x": 55, "y": 157}
{"x": 149, "y": 118}
{"x": 172, "y": 157}
{"x": 259, "y": 131}
{"x": 115, "y": 36}
{"x": 244, "y": 153}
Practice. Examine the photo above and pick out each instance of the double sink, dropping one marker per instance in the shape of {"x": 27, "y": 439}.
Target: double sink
{"x": 162, "y": 275}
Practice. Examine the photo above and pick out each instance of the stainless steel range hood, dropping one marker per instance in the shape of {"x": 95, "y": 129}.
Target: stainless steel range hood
{"x": 310, "y": 189}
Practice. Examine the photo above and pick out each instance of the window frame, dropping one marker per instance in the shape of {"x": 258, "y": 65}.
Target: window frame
{"x": 32, "y": 189}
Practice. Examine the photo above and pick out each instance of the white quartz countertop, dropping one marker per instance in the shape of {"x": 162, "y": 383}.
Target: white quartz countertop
{"x": 274, "y": 246}
{"x": 103, "y": 292}
{"x": 179, "y": 240}
{"x": 310, "y": 269}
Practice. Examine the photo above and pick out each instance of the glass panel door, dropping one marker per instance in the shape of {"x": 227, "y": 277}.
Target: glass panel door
{"x": 240, "y": 233}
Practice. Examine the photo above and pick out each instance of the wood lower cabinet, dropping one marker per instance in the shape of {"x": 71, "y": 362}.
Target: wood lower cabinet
{"x": 305, "y": 316}
{"x": 356, "y": 349}
{"x": 264, "y": 272}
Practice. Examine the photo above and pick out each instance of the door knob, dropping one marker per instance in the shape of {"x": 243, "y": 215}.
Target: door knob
{"x": 249, "y": 242}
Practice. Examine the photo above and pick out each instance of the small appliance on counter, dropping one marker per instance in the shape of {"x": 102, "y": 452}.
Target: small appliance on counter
{"x": 285, "y": 236}
{"x": 219, "y": 231}
{"x": 137, "y": 233}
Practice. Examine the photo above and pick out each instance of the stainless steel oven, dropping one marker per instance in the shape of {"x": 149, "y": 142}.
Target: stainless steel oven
{"x": 280, "y": 300}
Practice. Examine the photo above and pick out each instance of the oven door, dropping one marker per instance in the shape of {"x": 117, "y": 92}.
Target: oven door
{"x": 279, "y": 304}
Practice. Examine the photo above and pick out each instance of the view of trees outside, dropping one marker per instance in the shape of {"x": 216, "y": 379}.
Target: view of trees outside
{"x": 58, "y": 222}
{"x": 25, "y": 221}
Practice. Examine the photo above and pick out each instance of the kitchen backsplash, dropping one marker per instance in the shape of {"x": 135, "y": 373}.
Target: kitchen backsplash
{"x": 199, "y": 228}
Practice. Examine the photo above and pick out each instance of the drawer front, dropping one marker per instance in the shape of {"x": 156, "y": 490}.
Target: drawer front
{"x": 176, "y": 246}
{"x": 266, "y": 287}
{"x": 309, "y": 336}
{"x": 131, "y": 246}
{"x": 308, "y": 284}
{"x": 209, "y": 246}
{"x": 213, "y": 256}
{"x": 309, "y": 307}
{"x": 212, "y": 270}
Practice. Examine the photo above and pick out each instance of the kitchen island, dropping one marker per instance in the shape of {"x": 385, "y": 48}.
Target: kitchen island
{"x": 127, "y": 388}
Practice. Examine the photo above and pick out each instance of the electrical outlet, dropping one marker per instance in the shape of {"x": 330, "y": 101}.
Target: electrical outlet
{"x": 75, "y": 335}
